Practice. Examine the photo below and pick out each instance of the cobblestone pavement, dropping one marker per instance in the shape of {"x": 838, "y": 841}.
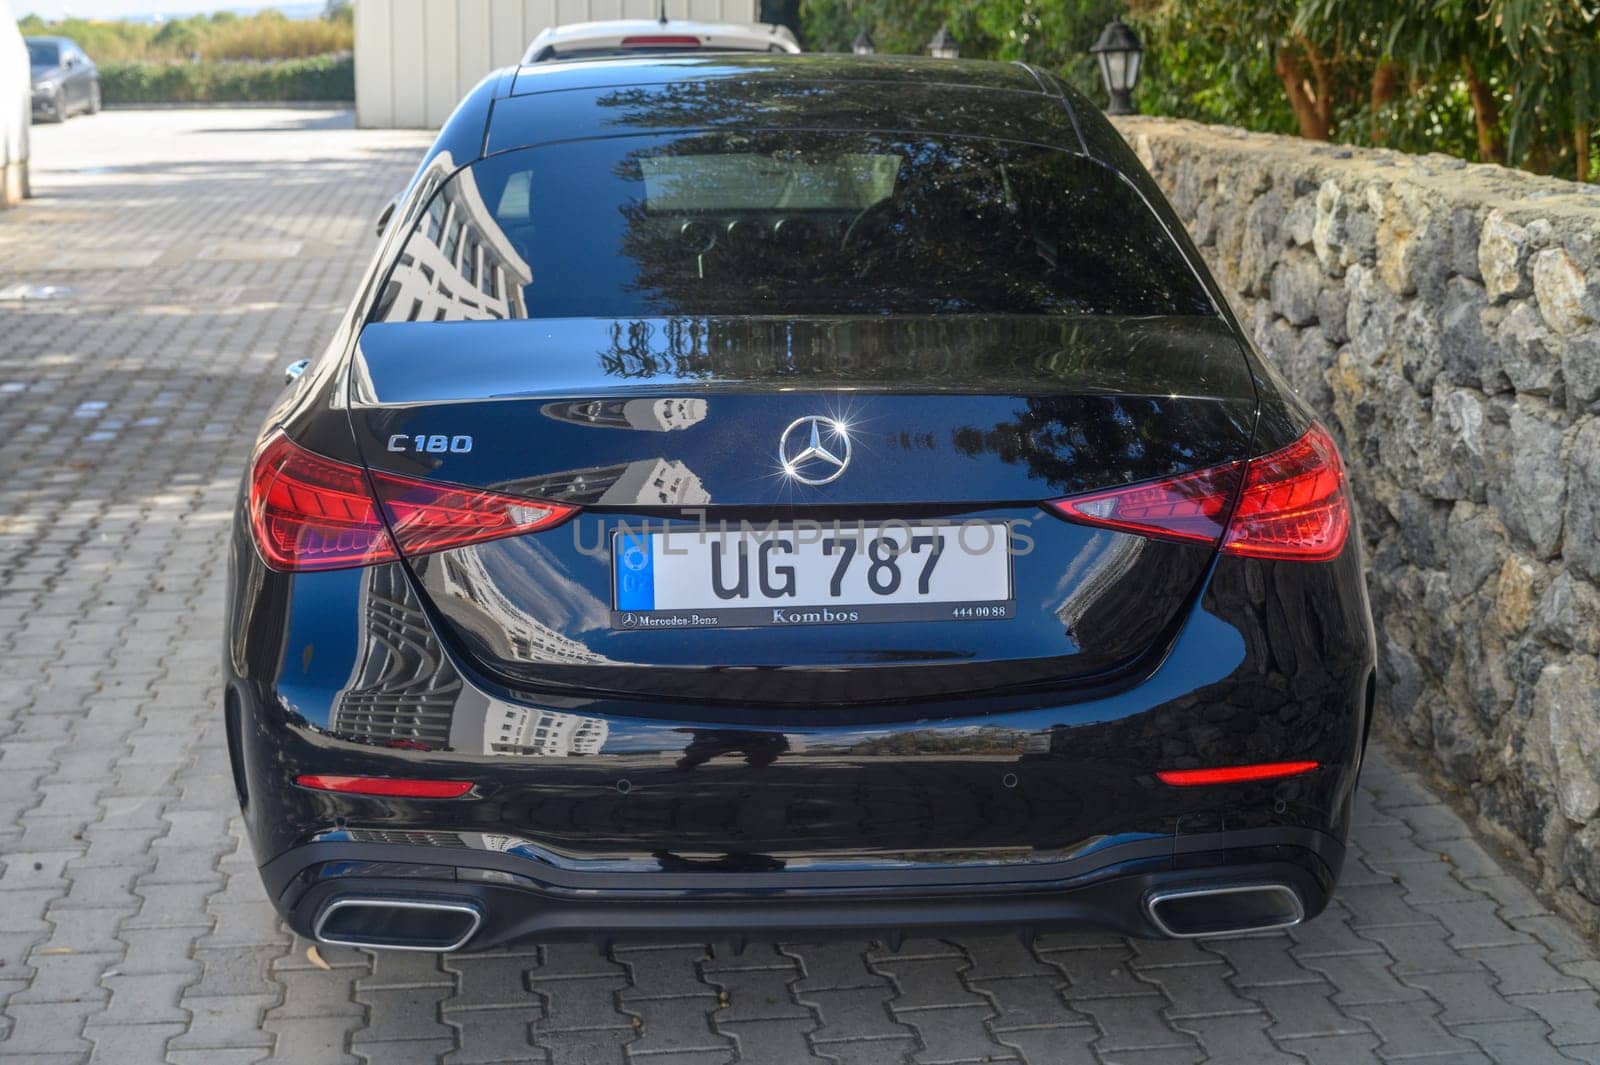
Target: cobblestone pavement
{"x": 204, "y": 251}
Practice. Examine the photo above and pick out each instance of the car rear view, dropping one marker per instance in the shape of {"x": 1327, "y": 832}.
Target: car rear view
{"x": 791, "y": 493}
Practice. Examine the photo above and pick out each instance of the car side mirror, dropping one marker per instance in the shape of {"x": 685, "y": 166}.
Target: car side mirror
{"x": 70, "y": 62}
{"x": 386, "y": 214}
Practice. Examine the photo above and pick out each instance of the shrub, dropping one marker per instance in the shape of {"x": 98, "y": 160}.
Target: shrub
{"x": 271, "y": 36}
{"x": 1493, "y": 80}
{"x": 324, "y": 77}
{"x": 224, "y": 35}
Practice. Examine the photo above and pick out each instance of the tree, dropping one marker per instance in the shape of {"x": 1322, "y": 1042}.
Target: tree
{"x": 1409, "y": 74}
{"x": 1554, "y": 46}
{"x": 1429, "y": 40}
{"x": 1055, "y": 34}
{"x": 1492, "y": 80}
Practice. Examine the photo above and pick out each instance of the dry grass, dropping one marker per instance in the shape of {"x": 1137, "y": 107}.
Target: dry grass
{"x": 267, "y": 35}
{"x": 280, "y": 38}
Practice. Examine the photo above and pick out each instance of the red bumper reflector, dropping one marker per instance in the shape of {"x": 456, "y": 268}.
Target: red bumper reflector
{"x": 1233, "y": 774}
{"x": 387, "y": 786}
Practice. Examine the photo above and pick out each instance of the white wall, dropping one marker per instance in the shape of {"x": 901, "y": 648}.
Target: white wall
{"x": 415, "y": 59}
{"x": 16, "y": 109}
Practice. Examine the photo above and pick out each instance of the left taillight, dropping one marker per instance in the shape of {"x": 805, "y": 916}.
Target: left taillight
{"x": 310, "y": 512}
{"x": 1292, "y": 504}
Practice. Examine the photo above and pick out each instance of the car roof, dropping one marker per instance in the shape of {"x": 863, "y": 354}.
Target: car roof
{"x": 582, "y": 36}
{"x": 547, "y": 102}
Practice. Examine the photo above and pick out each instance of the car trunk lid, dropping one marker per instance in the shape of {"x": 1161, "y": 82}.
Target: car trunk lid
{"x": 679, "y": 426}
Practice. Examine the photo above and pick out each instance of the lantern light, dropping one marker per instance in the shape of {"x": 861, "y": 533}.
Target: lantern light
{"x": 1119, "y": 51}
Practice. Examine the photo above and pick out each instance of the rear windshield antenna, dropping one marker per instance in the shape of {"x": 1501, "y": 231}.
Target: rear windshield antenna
{"x": 663, "y": 12}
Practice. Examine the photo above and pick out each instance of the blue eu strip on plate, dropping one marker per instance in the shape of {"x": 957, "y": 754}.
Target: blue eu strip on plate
{"x": 635, "y": 569}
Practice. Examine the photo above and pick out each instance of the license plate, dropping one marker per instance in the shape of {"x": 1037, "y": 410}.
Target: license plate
{"x": 835, "y": 574}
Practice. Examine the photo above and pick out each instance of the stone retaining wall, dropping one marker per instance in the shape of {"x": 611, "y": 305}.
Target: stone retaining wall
{"x": 1444, "y": 319}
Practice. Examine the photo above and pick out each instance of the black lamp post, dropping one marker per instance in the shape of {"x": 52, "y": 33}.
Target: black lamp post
{"x": 944, "y": 46}
{"x": 1118, "y": 51}
{"x": 863, "y": 44}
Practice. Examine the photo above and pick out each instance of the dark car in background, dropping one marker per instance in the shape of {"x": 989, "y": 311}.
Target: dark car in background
{"x": 791, "y": 492}
{"x": 65, "y": 79}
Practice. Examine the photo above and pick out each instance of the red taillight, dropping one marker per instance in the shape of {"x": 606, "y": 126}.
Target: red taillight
{"x": 313, "y": 513}
{"x": 1292, "y": 504}
{"x": 432, "y": 517}
{"x": 1192, "y": 508}
{"x": 1233, "y": 774}
{"x": 309, "y": 512}
{"x": 392, "y": 787}
{"x": 661, "y": 40}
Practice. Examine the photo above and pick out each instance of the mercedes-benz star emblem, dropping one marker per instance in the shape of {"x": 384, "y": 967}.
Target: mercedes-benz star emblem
{"x": 814, "y": 450}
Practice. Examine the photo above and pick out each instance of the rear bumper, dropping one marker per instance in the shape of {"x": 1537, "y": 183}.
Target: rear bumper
{"x": 514, "y": 899}
{"x": 1038, "y": 813}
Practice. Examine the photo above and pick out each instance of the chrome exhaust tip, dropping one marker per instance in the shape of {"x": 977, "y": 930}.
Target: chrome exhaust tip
{"x": 1194, "y": 913}
{"x": 397, "y": 924}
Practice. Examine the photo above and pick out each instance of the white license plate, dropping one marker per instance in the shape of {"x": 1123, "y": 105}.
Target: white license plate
{"x": 832, "y": 574}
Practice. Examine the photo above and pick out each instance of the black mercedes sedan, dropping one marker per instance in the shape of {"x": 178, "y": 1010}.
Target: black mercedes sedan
{"x": 801, "y": 493}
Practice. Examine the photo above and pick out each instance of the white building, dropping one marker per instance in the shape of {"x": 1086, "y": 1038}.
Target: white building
{"x": 657, "y": 483}
{"x": 16, "y": 109}
{"x": 531, "y": 730}
{"x": 416, "y": 59}
{"x": 459, "y": 265}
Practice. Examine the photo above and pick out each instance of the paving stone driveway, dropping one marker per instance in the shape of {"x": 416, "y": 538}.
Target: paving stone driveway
{"x": 205, "y": 250}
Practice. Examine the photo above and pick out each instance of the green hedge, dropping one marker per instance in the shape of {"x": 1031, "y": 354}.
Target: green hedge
{"x": 323, "y": 77}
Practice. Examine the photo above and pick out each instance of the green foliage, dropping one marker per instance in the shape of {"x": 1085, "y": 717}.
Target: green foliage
{"x": 1195, "y": 69}
{"x": 224, "y": 35}
{"x": 264, "y": 56}
{"x": 1554, "y": 46}
{"x": 318, "y": 78}
{"x": 1513, "y": 80}
{"x": 1533, "y": 66}
{"x": 1055, "y": 34}
{"x": 1437, "y": 117}
{"x": 897, "y": 27}
{"x": 269, "y": 35}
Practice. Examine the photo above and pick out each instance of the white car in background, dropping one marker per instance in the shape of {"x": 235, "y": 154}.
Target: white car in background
{"x": 623, "y": 37}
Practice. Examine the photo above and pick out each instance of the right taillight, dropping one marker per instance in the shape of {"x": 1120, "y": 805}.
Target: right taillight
{"x": 1291, "y": 504}
{"x": 310, "y": 512}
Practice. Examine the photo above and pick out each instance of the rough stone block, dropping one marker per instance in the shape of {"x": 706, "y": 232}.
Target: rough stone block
{"x": 1504, "y": 248}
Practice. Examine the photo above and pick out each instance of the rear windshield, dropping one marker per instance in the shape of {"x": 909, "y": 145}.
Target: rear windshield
{"x": 789, "y": 223}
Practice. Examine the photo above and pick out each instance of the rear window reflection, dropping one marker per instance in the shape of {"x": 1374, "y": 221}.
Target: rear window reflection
{"x": 823, "y": 223}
